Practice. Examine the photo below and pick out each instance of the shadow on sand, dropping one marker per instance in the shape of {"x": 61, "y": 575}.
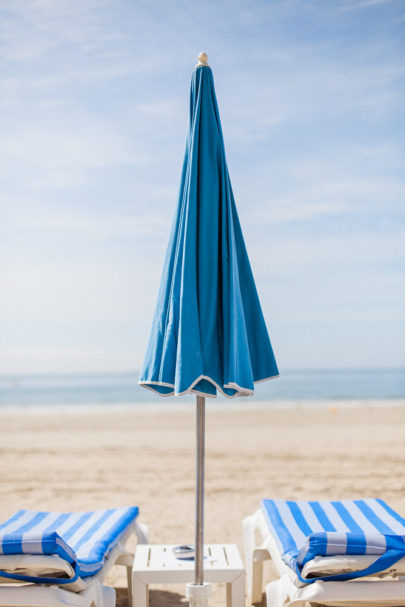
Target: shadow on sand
{"x": 157, "y": 598}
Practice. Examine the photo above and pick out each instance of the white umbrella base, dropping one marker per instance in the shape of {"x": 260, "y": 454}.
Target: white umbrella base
{"x": 198, "y": 594}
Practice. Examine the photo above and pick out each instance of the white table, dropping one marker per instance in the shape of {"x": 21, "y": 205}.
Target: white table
{"x": 156, "y": 564}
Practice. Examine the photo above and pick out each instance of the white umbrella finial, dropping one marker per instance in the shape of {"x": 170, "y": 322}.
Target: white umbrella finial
{"x": 202, "y": 60}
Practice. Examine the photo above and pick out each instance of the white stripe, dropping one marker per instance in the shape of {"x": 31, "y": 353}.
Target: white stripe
{"x": 289, "y": 521}
{"x": 310, "y": 517}
{"x": 78, "y": 534}
{"x": 85, "y": 549}
{"x": 334, "y": 517}
{"x": 272, "y": 528}
{"x": 33, "y": 546}
{"x": 376, "y": 543}
{"x": 336, "y": 543}
{"x": 22, "y": 520}
{"x": 366, "y": 525}
{"x": 33, "y": 534}
{"x": 42, "y": 524}
{"x": 68, "y": 523}
{"x": 14, "y": 525}
{"x": 385, "y": 516}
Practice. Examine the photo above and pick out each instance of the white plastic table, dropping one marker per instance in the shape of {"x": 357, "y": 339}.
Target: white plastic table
{"x": 156, "y": 564}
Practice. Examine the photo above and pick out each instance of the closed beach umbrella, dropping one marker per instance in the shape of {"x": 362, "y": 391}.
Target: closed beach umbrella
{"x": 208, "y": 334}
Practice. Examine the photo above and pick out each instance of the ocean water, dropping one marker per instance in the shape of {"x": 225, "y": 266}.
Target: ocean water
{"x": 296, "y": 386}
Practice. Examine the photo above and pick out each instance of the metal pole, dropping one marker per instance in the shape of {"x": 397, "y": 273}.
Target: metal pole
{"x": 199, "y": 504}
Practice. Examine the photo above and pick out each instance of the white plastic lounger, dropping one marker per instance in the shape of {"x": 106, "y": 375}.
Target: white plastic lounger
{"x": 338, "y": 553}
{"x": 52, "y": 559}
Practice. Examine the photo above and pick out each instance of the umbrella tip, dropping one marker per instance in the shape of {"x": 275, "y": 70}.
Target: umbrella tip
{"x": 202, "y": 60}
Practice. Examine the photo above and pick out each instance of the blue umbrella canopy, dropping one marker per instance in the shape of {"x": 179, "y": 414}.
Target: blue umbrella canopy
{"x": 208, "y": 332}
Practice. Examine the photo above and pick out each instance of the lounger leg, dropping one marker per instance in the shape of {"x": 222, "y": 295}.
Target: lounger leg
{"x": 248, "y": 536}
{"x": 235, "y": 592}
{"x": 109, "y": 598}
{"x": 126, "y": 559}
{"x": 276, "y": 595}
{"x": 129, "y": 585}
{"x": 254, "y": 559}
{"x": 257, "y": 581}
{"x": 140, "y": 593}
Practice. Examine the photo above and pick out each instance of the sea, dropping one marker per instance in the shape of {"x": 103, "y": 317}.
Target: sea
{"x": 293, "y": 387}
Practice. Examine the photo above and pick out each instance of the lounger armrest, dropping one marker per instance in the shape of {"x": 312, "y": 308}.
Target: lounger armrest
{"x": 142, "y": 532}
{"x": 254, "y": 556}
{"x": 261, "y": 554}
{"x": 125, "y": 559}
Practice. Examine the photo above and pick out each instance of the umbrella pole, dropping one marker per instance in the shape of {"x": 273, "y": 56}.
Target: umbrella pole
{"x": 199, "y": 503}
{"x": 199, "y": 592}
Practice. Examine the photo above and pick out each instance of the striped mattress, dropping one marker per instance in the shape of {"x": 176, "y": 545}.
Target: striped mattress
{"x": 308, "y": 529}
{"x": 82, "y": 539}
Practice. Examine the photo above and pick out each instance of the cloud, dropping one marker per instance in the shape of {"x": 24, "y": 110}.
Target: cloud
{"x": 95, "y": 110}
{"x": 293, "y": 210}
{"x": 316, "y": 94}
{"x": 94, "y": 227}
{"x": 35, "y": 29}
{"x": 345, "y": 197}
{"x": 63, "y": 359}
{"x": 56, "y": 154}
{"x": 350, "y": 5}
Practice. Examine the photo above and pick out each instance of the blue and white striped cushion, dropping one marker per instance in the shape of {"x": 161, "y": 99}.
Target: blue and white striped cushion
{"x": 84, "y": 539}
{"x": 304, "y": 530}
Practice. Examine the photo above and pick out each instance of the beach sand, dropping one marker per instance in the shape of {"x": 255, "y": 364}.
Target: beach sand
{"x": 99, "y": 458}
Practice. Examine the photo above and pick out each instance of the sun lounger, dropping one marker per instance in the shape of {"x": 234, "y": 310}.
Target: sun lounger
{"x": 349, "y": 552}
{"x": 62, "y": 559}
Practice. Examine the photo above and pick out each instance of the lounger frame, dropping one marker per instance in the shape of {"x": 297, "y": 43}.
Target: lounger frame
{"x": 289, "y": 591}
{"x": 84, "y": 592}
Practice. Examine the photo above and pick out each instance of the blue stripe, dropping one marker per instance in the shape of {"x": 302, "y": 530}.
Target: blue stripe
{"x": 299, "y": 518}
{"x": 57, "y": 523}
{"x": 113, "y": 535}
{"x": 75, "y": 526}
{"x": 51, "y": 528}
{"x": 323, "y": 542}
{"x": 392, "y": 512}
{"x": 92, "y": 529}
{"x": 284, "y": 536}
{"x": 12, "y": 542}
{"x": 356, "y": 540}
{"x": 347, "y": 517}
{"x": 36, "y": 518}
{"x": 13, "y": 518}
{"x": 356, "y": 543}
{"x": 375, "y": 520}
{"x": 321, "y": 516}
{"x": 318, "y": 543}
{"x": 11, "y": 546}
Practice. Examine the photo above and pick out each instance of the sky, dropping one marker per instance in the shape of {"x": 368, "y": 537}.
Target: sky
{"x": 94, "y": 113}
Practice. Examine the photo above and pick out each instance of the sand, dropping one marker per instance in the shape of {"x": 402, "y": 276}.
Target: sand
{"x": 99, "y": 458}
